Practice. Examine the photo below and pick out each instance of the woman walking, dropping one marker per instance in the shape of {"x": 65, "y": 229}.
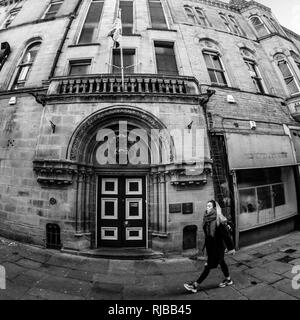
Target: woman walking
{"x": 217, "y": 238}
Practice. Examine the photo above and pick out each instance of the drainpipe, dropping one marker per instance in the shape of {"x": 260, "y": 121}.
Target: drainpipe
{"x": 59, "y": 50}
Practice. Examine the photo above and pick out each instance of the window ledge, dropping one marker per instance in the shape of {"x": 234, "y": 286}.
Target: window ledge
{"x": 84, "y": 44}
{"x": 132, "y": 35}
{"x": 162, "y": 29}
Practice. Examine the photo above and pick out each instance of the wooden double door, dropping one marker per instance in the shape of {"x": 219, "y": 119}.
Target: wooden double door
{"x": 121, "y": 220}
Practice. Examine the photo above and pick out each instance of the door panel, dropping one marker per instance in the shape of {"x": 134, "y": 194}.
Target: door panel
{"x": 121, "y": 212}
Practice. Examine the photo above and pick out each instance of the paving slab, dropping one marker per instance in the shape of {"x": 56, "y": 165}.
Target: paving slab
{"x": 227, "y": 293}
{"x": 30, "y": 264}
{"x": 105, "y": 291}
{"x": 285, "y": 285}
{"x": 277, "y": 267}
{"x": 29, "y": 278}
{"x": 263, "y": 291}
{"x": 44, "y": 294}
{"x": 263, "y": 274}
{"x": 13, "y": 270}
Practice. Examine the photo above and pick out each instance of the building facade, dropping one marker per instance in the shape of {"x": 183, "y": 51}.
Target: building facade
{"x": 208, "y": 107}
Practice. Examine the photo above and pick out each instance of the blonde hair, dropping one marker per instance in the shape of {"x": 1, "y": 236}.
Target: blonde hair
{"x": 220, "y": 217}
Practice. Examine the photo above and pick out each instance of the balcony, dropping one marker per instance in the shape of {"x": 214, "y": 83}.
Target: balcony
{"x": 294, "y": 106}
{"x": 135, "y": 85}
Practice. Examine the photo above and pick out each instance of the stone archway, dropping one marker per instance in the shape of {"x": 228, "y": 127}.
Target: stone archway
{"x": 81, "y": 148}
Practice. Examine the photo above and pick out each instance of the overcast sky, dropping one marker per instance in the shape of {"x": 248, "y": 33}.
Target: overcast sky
{"x": 286, "y": 11}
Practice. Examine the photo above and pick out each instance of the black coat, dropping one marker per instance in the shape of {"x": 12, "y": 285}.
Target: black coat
{"x": 216, "y": 244}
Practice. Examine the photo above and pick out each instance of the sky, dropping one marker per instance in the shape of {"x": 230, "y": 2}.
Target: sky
{"x": 286, "y": 11}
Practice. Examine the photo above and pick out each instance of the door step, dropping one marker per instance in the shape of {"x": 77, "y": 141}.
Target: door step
{"x": 118, "y": 253}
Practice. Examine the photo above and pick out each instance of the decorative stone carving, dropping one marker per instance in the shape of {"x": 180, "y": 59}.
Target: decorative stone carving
{"x": 58, "y": 173}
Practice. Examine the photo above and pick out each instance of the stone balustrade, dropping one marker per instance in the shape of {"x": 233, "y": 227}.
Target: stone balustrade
{"x": 135, "y": 84}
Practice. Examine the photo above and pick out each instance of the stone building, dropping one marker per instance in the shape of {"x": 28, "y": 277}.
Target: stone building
{"x": 86, "y": 156}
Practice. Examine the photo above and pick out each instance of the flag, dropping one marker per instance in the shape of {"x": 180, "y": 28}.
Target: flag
{"x": 116, "y": 32}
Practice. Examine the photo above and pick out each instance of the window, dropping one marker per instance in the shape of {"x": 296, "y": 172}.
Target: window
{"x": 273, "y": 24}
{"x": 259, "y": 26}
{"x": 127, "y": 17}
{"x": 235, "y": 26}
{"x": 201, "y": 17}
{"x": 296, "y": 59}
{"x": 165, "y": 58}
{"x": 215, "y": 68}
{"x": 91, "y": 23}
{"x": 4, "y": 53}
{"x": 52, "y": 10}
{"x": 10, "y": 18}
{"x": 157, "y": 14}
{"x": 128, "y": 61}
{"x": 225, "y": 22}
{"x": 287, "y": 73}
{"x": 79, "y": 67}
{"x": 254, "y": 73}
{"x": 26, "y": 64}
{"x": 190, "y": 14}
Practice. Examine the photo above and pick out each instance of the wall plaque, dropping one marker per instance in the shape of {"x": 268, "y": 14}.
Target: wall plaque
{"x": 187, "y": 208}
{"x": 175, "y": 208}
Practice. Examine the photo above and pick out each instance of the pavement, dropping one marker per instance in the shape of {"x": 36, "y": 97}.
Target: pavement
{"x": 260, "y": 272}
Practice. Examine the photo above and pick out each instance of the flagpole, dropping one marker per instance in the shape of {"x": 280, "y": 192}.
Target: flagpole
{"x": 121, "y": 53}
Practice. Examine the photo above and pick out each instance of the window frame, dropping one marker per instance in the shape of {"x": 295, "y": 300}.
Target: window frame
{"x": 12, "y": 13}
{"x": 200, "y": 12}
{"x": 156, "y": 43}
{"x": 262, "y": 23}
{"x": 134, "y": 61}
{"x": 22, "y": 65}
{"x": 283, "y": 59}
{"x": 80, "y": 61}
{"x": 236, "y": 26}
{"x": 96, "y": 33}
{"x": 192, "y": 14}
{"x": 164, "y": 14}
{"x": 257, "y": 79}
{"x": 48, "y": 8}
{"x": 222, "y": 71}
{"x": 225, "y": 21}
{"x": 133, "y": 18}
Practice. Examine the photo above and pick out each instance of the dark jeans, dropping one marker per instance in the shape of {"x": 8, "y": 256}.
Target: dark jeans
{"x": 206, "y": 271}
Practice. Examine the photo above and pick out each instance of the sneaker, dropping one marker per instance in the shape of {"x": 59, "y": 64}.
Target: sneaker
{"x": 225, "y": 283}
{"x": 192, "y": 286}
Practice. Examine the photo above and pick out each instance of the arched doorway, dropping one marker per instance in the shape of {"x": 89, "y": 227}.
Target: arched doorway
{"x": 115, "y": 145}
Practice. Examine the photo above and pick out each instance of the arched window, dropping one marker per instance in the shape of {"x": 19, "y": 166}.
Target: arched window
{"x": 215, "y": 68}
{"x": 296, "y": 58}
{"x": 274, "y": 25}
{"x": 253, "y": 69}
{"x": 225, "y": 21}
{"x": 259, "y": 26}
{"x": 236, "y": 28}
{"x": 201, "y": 17}
{"x": 25, "y": 66}
{"x": 287, "y": 73}
{"x": 190, "y": 14}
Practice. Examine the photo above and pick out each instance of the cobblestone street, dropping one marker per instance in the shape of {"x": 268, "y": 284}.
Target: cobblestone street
{"x": 259, "y": 272}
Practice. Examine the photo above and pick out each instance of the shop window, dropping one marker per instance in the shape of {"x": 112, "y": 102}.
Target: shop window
{"x": 255, "y": 75}
{"x": 259, "y": 26}
{"x": 215, "y": 68}
{"x": 261, "y": 196}
{"x": 128, "y": 61}
{"x": 189, "y": 237}
{"x": 165, "y": 58}
{"x": 287, "y": 73}
{"x": 127, "y": 16}
{"x": 91, "y": 23}
{"x": 157, "y": 15}
{"x": 79, "y": 67}
{"x": 25, "y": 65}
{"x": 52, "y": 10}
{"x": 190, "y": 15}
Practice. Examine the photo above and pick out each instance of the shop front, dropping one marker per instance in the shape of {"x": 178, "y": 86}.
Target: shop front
{"x": 265, "y": 190}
